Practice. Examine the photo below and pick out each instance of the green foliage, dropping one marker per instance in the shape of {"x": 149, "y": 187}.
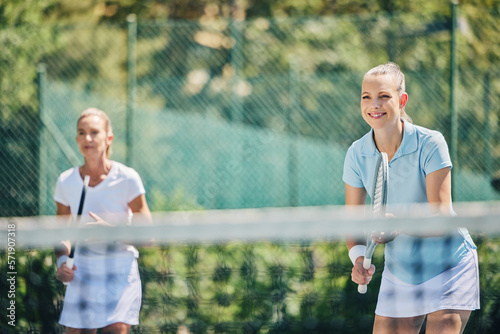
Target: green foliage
{"x": 287, "y": 69}
{"x": 18, "y": 164}
{"x": 24, "y": 38}
{"x": 242, "y": 288}
{"x": 275, "y": 66}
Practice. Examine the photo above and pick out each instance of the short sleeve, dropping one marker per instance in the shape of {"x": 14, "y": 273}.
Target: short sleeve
{"x": 59, "y": 193}
{"x": 435, "y": 154}
{"x": 352, "y": 175}
{"x": 136, "y": 187}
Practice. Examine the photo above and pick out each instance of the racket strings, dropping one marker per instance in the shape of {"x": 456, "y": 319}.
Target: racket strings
{"x": 378, "y": 194}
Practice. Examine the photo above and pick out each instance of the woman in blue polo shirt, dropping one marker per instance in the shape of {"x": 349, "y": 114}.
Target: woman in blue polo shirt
{"x": 441, "y": 283}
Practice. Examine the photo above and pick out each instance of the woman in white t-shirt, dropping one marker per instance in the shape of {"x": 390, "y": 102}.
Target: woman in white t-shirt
{"x": 104, "y": 289}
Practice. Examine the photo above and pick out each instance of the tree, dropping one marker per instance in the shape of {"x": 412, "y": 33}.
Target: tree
{"x": 24, "y": 39}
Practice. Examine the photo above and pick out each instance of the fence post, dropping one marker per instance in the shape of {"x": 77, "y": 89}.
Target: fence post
{"x": 293, "y": 160}
{"x": 453, "y": 86}
{"x": 488, "y": 161}
{"x": 236, "y": 58}
{"x": 236, "y": 115}
{"x": 42, "y": 147}
{"x": 131, "y": 84}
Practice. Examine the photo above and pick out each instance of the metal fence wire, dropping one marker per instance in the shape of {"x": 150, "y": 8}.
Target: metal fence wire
{"x": 232, "y": 114}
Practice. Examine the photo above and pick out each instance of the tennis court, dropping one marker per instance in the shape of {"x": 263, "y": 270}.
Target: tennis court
{"x": 239, "y": 132}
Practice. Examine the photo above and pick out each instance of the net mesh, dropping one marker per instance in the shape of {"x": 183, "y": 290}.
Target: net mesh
{"x": 274, "y": 270}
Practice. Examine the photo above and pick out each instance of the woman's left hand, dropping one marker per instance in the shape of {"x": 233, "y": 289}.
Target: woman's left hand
{"x": 98, "y": 221}
{"x": 383, "y": 237}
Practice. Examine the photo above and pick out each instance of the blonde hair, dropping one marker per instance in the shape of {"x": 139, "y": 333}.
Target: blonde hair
{"x": 107, "y": 122}
{"x": 393, "y": 70}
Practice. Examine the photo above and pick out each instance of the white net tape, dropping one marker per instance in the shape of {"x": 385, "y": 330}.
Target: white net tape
{"x": 301, "y": 223}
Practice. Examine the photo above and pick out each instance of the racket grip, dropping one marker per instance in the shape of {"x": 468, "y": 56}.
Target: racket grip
{"x": 69, "y": 264}
{"x": 367, "y": 263}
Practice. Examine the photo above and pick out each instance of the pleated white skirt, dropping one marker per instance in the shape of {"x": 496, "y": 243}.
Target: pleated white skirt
{"x": 456, "y": 288}
{"x": 106, "y": 289}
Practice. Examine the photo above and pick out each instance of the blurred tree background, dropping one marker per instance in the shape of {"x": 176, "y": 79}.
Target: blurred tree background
{"x": 188, "y": 67}
{"x": 310, "y": 40}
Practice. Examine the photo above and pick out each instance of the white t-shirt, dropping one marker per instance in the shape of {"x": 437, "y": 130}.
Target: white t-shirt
{"x": 109, "y": 199}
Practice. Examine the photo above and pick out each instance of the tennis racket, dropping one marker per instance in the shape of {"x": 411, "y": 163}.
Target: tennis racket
{"x": 71, "y": 258}
{"x": 379, "y": 200}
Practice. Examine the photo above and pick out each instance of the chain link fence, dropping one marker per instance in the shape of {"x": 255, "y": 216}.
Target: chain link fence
{"x": 228, "y": 114}
{"x": 223, "y": 114}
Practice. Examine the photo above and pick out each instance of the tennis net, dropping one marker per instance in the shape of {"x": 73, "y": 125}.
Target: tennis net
{"x": 270, "y": 270}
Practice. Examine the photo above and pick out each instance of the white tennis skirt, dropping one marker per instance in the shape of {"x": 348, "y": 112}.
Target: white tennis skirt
{"x": 105, "y": 290}
{"x": 455, "y": 289}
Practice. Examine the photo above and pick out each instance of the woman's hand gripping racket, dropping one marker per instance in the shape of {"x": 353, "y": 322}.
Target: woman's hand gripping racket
{"x": 71, "y": 258}
{"x": 379, "y": 200}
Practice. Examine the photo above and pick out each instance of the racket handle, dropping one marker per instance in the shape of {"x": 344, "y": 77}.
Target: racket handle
{"x": 367, "y": 263}
{"x": 69, "y": 264}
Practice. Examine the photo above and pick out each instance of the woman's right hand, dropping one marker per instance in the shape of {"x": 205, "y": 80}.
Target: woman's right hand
{"x": 361, "y": 275}
{"x": 65, "y": 274}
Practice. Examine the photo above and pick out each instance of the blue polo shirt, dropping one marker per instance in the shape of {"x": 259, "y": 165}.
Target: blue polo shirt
{"x": 422, "y": 151}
